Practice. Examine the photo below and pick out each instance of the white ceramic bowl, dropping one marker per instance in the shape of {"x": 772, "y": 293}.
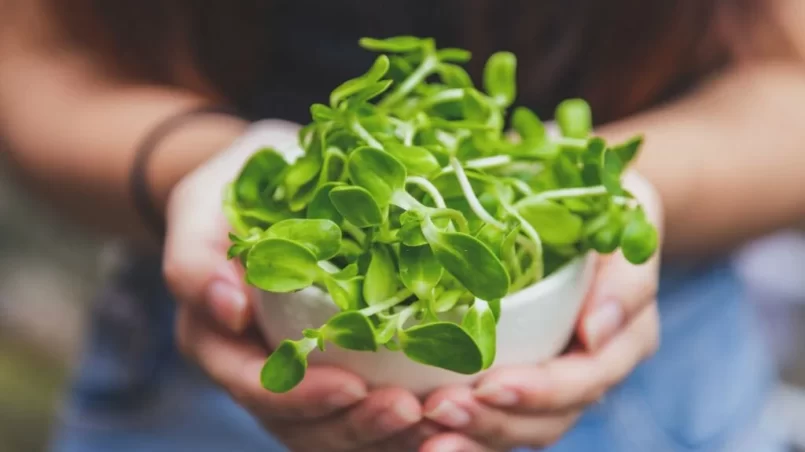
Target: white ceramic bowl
{"x": 535, "y": 324}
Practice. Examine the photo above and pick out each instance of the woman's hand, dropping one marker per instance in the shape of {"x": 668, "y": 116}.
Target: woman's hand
{"x": 331, "y": 410}
{"x": 536, "y": 405}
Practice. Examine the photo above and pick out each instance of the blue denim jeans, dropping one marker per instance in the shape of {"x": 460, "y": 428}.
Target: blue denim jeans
{"x": 703, "y": 391}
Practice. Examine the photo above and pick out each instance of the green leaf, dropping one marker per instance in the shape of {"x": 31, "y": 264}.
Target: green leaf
{"x": 554, "y": 222}
{"x": 528, "y": 125}
{"x": 639, "y": 240}
{"x": 447, "y": 300}
{"x": 378, "y": 172}
{"x": 417, "y": 160}
{"x": 370, "y": 92}
{"x": 442, "y": 344}
{"x": 610, "y": 172}
{"x": 350, "y": 330}
{"x": 479, "y": 322}
{"x": 420, "y": 271}
{"x": 574, "y": 118}
{"x": 396, "y": 44}
{"x": 628, "y": 150}
{"x": 344, "y": 288}
{"x": 334, "y": 165}
{"x": 494, "y": 305}
{"x": 356, "y": 205}
{"x": 285, "y": 367}
{"x": 280, "y": 265}
{"x": 454, "y": 55}
{"x": 454, "y": 76}
{"x": 321, "y": 237}
{"x": 322, "y": 207}
{"x": 381, "y": 282}
{"x": 259, "y": 174}
{"x": 471, "y": 262}
{"x": 359, "y": 84}
{"x": 474, "y": 105}
{"x": 500, "y": 78}
{"x": 322, "y": 113}
{"x": 493, "y": 237}
{"x": 300, "y": 173}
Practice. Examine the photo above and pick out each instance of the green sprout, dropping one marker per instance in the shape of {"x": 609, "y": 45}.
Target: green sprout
{"x": 417, "y": 213}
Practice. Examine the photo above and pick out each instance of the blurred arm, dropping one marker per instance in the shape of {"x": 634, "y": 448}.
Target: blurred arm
{"x": 729, "y": 160}
{"x": 70, "y": 127}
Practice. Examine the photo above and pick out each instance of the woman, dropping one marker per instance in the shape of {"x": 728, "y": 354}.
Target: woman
{"x": 86, "y": 85}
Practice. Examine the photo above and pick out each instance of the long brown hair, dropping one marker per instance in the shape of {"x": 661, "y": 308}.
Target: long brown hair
{"x": 621, "y": 55}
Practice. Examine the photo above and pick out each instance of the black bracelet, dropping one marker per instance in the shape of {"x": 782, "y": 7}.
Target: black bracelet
{"x": 137, "y": 177}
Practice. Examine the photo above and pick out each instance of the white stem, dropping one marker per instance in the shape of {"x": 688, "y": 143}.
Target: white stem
{"x": 429, "y": 188}
{"x": 538, "y": 265}
{"x": 481, "y": 163}
{"x": 473, "y": 201}
{"x": 396, "y": 299}
{"x": 405, "y": 201}
{"x": 564, "y": 193}
{"x": 365, "y": 135}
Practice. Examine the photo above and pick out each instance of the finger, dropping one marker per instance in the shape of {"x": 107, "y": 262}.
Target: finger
{"x": 408, "y": 440}
{"x": 235, "y": 364}
{"x": 384, "y": 413}
{"x": 456, "y": 408}
{"x": 575, "y": 380}
{"x": 621, "y": 290}
{"x": 453, "y": 442}
{"x": 195, "y": 265}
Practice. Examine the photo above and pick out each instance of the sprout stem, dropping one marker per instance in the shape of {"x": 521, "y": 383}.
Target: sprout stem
{"x": 418, "y": 76}
{"x": 429, "y": 188}
{"x": 365, "y": 135}
{"x": 473, "y": 201}
{"x": 395, "y": 299}
{"x": 566, "y": 193}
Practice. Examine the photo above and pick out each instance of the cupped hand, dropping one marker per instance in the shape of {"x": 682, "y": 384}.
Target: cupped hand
{"x": 331, "y": 410}
{"x": 536, "y": 405}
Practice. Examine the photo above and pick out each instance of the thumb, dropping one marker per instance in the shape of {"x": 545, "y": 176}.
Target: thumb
{"x": 195, "y": 264}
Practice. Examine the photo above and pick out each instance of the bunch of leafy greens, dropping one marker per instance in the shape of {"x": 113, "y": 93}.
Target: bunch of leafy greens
{"x": 416, "y": 211}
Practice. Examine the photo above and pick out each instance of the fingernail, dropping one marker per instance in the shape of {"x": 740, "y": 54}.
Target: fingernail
{"x": 496, "y": 394}
{"x": 228, "y": 304}
{"x": 398, "y": 417}
{"x": 602, "y": 324}
{"x": 449, "y": 414}
{"x": 348, "y": 395}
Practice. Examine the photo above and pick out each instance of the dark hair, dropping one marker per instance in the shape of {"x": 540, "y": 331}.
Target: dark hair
{"x": 621, "y": 55}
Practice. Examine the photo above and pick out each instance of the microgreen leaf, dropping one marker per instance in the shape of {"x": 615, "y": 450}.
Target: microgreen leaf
{"x": 454, "y": 76}
{"x": 627, "y": 151}
{"x": 610, "y": 172}
{"x": 454, "y": 55}
{"x": 285, "y": 367}
{"x": 280, "y": 265}
{"x": 381, "y": 281}
{"x": 499, "y": 78}
{"x": 344, "y": 288}
{"x": 259, "y": 174}
{"x": 378, "y": 172}
{"x": 639, "y": 240}
{"x": 350, "y": 330}
{"x": 528, "y": 125}
{"x": 364, "y": 82}
{"x": 301, "y": 172}
{"x": 442, "y": 344}
{"x": 417, "y": 160}
{"x": 396, "y": 44}
{"x": 356, "y": 205}
{"x": 322, "y": 207}
{"x": 554, "y": 222}
{"x": 321, "y": 237}
{"x": 479, "y": 322}
{"x": 469, "y": 261}
{"x": 420, "y": 271}
{"x": 574, "y": 118}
